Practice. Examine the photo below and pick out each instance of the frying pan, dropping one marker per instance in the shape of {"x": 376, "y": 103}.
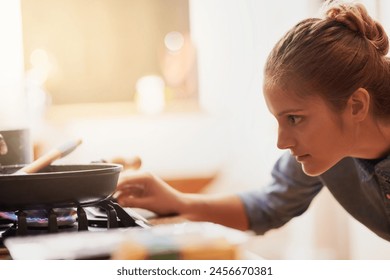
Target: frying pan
{"x": 57, "y": 186}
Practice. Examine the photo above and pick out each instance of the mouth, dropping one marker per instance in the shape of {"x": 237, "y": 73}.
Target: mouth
{"x": 302, "y": 158}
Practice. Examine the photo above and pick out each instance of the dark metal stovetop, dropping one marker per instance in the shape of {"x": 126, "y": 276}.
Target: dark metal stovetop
{"x": 106, "y": 214}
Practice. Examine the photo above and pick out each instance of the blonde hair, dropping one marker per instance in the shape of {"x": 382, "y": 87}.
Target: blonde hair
{"x": 333, "y": 56}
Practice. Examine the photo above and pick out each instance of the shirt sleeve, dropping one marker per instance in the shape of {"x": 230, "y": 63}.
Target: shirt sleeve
{"x": 288, "y": 195}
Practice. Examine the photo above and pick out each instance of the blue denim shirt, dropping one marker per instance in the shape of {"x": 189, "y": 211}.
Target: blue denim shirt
{"x": 361, "y": 186}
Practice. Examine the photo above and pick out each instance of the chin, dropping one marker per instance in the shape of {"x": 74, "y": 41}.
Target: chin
{"x": 316, "y": 167}
{"x": 313, "y": 171}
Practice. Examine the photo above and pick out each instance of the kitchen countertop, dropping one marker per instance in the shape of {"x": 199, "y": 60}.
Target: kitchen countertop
{"x": 225, "y": 243}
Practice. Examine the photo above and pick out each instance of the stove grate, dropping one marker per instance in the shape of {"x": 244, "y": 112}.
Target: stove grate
{"x": 114, "y": 216}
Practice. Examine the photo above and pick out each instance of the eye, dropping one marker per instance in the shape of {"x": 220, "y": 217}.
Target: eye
{"x": 293, "y": 119}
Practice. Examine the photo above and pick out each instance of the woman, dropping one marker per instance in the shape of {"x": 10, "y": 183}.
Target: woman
{"x": 327, "y": 82}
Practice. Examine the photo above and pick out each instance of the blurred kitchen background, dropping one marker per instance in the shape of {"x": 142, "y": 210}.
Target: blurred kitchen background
{"x": 176, "y": 82}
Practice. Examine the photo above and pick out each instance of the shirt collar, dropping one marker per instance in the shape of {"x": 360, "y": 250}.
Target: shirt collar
{"x": 371, "y": 167}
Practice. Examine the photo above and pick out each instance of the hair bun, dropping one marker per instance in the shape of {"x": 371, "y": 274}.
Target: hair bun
{"x": 357, "y": 19}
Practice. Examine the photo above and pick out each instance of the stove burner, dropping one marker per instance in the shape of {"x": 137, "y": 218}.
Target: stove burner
{"x": 110, "y": 215}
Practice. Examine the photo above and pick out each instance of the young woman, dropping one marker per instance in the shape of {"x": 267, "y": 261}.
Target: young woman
{"x": 327, "y": 82}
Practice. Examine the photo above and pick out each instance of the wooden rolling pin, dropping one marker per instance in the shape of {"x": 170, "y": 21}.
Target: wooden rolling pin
{"x": 49, "y": 157}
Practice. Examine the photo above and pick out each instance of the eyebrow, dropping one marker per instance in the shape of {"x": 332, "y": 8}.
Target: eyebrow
{"x": 289, "y": 111}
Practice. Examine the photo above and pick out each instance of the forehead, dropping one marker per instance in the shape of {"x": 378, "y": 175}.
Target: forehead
{"x": 280, "y": 100}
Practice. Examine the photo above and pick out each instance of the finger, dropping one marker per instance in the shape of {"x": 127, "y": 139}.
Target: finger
{"x": 130, "y": 188}
{"x": 130, "y": 201}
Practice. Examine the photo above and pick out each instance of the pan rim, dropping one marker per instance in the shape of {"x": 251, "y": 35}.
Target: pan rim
{"x": 104, "y": 168}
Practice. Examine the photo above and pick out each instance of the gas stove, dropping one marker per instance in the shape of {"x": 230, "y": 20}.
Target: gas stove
{"x": 101, "y": 216}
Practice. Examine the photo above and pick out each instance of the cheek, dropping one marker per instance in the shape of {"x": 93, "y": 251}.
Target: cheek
{"x": 325, "y": 135}
{"x": 314, "y": 137}
{"x": 326, "y": 150}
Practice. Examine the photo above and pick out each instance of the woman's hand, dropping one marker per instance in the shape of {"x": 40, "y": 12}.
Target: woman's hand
{"x": 144, "y": 190}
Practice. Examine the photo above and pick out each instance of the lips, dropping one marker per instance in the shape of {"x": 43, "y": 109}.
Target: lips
{"x": 302, "y": 157}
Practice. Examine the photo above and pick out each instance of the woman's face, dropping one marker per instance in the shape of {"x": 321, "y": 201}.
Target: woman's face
{"x": 316, "y": 136}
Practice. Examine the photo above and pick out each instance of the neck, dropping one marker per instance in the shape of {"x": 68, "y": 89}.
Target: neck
{"x": 372, "y": 140}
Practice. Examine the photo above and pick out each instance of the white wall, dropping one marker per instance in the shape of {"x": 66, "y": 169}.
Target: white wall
{"x": 12, "y": 102}
{"x": 233, "y": 39}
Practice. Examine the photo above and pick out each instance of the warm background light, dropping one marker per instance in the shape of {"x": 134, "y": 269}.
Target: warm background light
{"x": 97, "y": 50}
{"x": 150, "y": 93}
{"x": 12, "y": 103}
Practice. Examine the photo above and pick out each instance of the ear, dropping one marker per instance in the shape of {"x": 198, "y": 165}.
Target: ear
{"x": 359, "y": 104}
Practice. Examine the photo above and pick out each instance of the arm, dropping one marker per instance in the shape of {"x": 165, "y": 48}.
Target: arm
{"x": 144, "y": 190}
{"x": 288, "y": 195}
{"x": 227, "y": 210}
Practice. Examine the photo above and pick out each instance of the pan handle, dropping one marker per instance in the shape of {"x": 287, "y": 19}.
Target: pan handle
{"x": 49, "y": 157}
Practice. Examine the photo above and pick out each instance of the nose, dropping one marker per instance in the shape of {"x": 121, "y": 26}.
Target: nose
{"x": 285, "y": 140}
